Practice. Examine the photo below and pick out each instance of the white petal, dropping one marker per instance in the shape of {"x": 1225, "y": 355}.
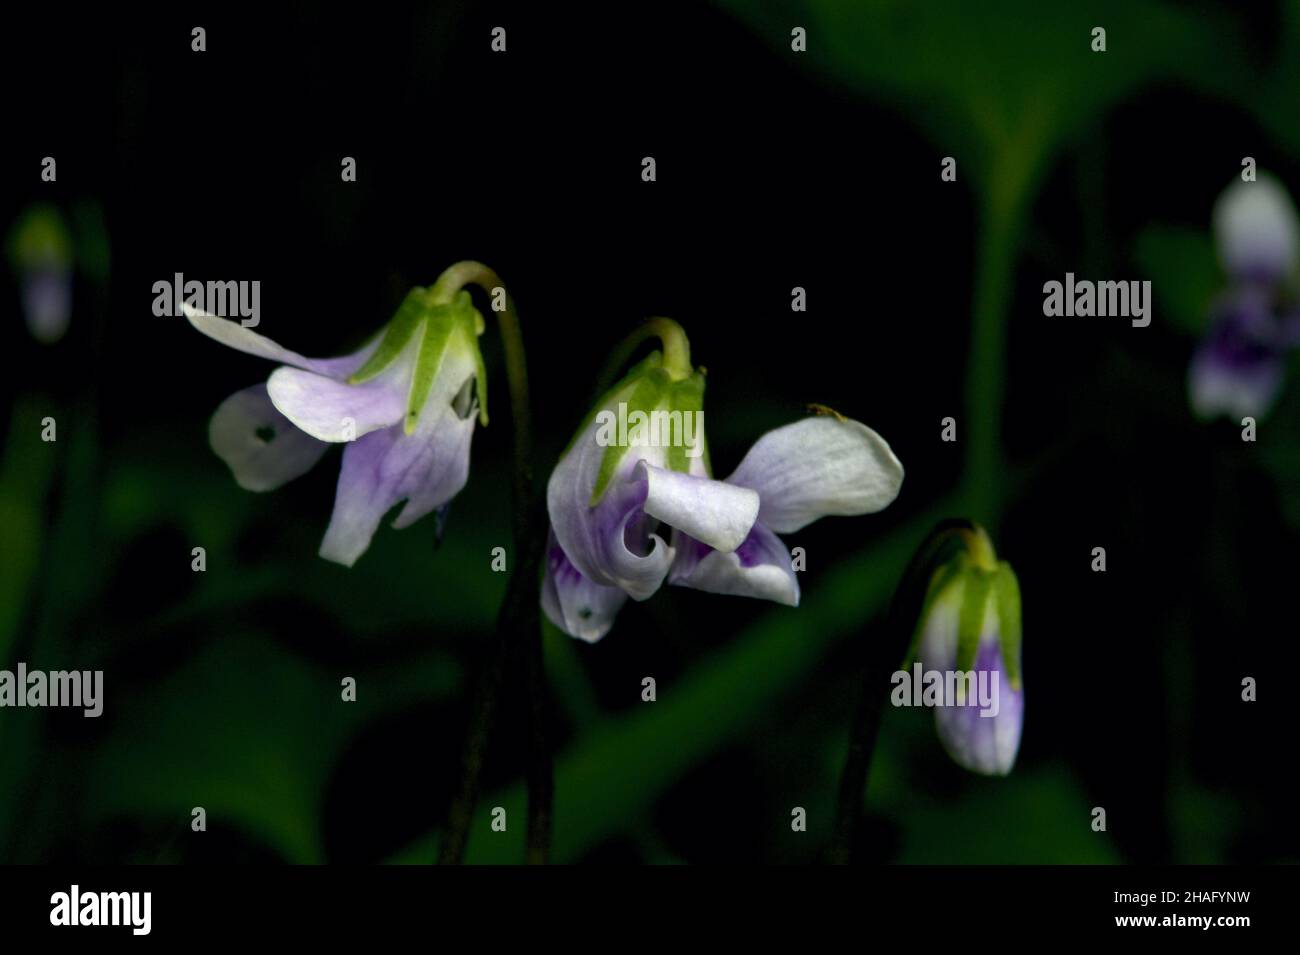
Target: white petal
{"x": 819, "y": 467}
{"x": 717, "y": 513}
{"x": 581, "y": 608}
{"x": 261, "y": 446}
{"x": 1255, "y": 226}
{"x": 236, "y": 336}
{"x": 760, "y": 567}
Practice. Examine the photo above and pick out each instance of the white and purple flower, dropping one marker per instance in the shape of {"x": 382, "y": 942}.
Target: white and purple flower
{"x": 403, "y": 405}
{"x": 971, "y": 625}
{"x": 608, "y": 503}
{"x": 1238, "y": 369}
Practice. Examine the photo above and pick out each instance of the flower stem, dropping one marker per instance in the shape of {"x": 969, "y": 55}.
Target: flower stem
{"x": 883, "y": 658}
{"x": 986, "y": 366}
{"x": 676, "y": 350}
{"x": 519, "y": 630}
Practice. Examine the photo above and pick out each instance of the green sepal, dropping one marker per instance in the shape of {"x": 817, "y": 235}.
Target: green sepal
{"x": 39, "y": 238}
{"x": 413, "y": 310}
{"x": 970, "y": 619}
{"x": 1006, "y": 591}
{"x": 646, "y": 395}
{"x": 438, "y": 330}
{"x": 454, "y": 324}
{"x": 686, "y": 396}
{"x": 944, "y": 575}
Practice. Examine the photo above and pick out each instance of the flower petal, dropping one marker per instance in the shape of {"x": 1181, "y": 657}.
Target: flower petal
{"x": 47, "y": 303}
{"x": 573, "y": 603}
{"x": 759, "y": 567}
{"x": 612, "y": 544}
{"x": 984, "y": 739}
{"x": 1239, "y": 367}
{"x": 1255, "y": 226}
{"x": 819, "y": 467}
{"x": 426, "y": 469}
{"x": 236, "y": 336}
{"x": 261, "y": 446}
{"x": 714, "y": 512}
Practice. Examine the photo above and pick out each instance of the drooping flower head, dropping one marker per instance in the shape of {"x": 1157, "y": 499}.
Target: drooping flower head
{"x": 638, "y": 462}
{"x": 608, "y": 500}
{"x": 970, "y": 624}
{"x": 40, "y": 252}
{"x": 1238, "y": 368}
{"x": 403, "y": 405}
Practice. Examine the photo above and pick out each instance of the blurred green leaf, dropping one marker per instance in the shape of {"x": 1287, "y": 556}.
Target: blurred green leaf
{"x": 250, "y": 733}
{"x": 1184, "y": 273}
{"x": 616, "y": 772}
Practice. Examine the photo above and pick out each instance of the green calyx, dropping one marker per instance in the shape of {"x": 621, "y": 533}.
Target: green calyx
{"x": 40, "y": 239}
{"x": 964, "y": 576}
{"x": 650, "y": 388}
{"x": 439, "y": 325}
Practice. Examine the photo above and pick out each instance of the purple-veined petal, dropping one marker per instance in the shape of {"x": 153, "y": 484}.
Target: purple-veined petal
{"x": 236, "y": 336}
{"x": 819, "y": 467}
{"x": 1256, "y": 231}
{"x": 1238, "y": 367}
{"x": 760, "y": 567}
{"x": 333, "y": 410}
{"x": 714, "y": 512}
{"x": 984, "y": 739}
{"x": 261, "y": 446}
{"x": 426, "y": 469}
{"x": 613, "y": 544}
{"x": 573, "y": 603}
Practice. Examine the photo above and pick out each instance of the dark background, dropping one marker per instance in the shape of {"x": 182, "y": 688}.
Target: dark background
{"x": 773, "y": 172}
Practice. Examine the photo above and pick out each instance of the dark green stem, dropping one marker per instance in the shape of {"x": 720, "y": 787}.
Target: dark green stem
{"x": 518, "y": 636}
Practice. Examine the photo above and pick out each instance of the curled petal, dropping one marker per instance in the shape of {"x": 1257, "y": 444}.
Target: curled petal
{"x": 261, "y": 446}
{"x": 1255, "y": 227}
{"x": 717, "y": 513}
{"x": 236, "y": 336}
{"x": 613, "y": 543}
{"x": 819, "y": 467}
{"x": 426, "y": 469}
{"x": 759, "y": 567}
{"x": 573, "y": 603}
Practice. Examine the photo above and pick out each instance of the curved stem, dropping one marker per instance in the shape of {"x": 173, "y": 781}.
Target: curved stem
{"x": 676, "y": 350}
{"x": 518, "y": 623}
{"x": 883, "y": 658}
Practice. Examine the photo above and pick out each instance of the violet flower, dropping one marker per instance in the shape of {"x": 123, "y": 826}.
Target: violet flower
{"x": 1238, "y": 368}
{"x": 404, "y": 406}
